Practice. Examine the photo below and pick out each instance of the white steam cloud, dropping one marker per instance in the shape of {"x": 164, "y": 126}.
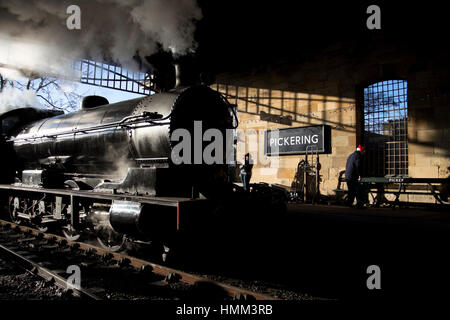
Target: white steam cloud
{"x": 34, "y": 35}
{"x": 10, "y": 98}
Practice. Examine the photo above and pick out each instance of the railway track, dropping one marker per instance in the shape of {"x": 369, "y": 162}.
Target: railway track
{"x": 108, "y": 275}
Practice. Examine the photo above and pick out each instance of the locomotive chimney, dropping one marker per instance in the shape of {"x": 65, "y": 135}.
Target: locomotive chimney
{"x": 178, "y": 76}
{"x": 186, "y": 72}
{"x": 175, "y": 72}
{"x": 184, "y": 75}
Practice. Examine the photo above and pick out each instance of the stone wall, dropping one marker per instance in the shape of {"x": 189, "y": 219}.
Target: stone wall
{"x": 327, "y": 89}
{"x": 305, "y": 109}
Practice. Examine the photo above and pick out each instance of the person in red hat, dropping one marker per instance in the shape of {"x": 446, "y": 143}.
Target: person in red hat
{"x": 353, "y": 170}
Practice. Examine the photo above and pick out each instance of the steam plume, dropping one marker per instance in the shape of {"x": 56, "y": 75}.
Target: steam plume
{"x": 10, "y": 98}
{"x": 34, "y": 35}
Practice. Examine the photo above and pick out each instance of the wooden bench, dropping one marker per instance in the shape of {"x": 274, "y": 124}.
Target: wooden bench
{"x": 377, "y": 187}
{"x": 341, "y": 193}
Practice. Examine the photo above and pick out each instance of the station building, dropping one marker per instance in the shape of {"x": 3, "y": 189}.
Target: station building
{"x": 390, "y": 96}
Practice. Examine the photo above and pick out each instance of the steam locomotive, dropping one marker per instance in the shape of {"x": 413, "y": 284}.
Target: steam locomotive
{"x": 107, "y": 167}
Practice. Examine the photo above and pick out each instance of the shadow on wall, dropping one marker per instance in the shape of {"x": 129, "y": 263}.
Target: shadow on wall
{"x": 292, "y": 109}
{"x": 302, "y": 108}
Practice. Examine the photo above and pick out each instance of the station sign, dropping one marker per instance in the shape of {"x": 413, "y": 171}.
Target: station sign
{"x": 297, "y": 140}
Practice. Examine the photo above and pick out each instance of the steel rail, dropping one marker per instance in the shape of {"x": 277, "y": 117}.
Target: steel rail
{"x": 44, "y": 273}
{"x": 164, "y": 271}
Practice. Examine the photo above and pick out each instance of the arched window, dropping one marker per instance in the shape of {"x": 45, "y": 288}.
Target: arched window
{"x": 386, "y": 128}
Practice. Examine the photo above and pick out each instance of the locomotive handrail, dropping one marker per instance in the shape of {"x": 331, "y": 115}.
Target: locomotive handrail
{"x": 231, "y": 107}
{"x": 145, "y": 117}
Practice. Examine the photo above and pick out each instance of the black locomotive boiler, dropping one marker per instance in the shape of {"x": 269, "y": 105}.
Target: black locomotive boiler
{"x": 107, "y": 168}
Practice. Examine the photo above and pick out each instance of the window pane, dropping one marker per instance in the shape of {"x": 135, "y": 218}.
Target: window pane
{"x": 385, "y": 133}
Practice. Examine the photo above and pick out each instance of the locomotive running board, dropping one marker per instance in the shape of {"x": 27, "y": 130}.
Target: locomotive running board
{"x": 163, "y": 201}
{"x": 185, "y": 208}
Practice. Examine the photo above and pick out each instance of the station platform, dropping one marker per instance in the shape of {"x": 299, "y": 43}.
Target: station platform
{"x": 416, "y": 213}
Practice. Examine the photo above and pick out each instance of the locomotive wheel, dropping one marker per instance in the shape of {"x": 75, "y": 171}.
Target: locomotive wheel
{"x": 70, "y": 184}
{"x": 42, "y": 227}
{"x": 13, "y": 211}
{"x": 171, "y": 253}
{"x": 166, "y": 255}
{"x": 111, "y": 241}
{"x": 70, "y": 233}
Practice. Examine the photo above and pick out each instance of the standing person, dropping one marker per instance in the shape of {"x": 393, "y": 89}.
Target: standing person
{"x": 353, "y": 171}
{"x": 246, "y": 172}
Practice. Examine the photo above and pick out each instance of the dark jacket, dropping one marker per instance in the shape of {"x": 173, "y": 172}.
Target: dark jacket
{"x": 353, "y": 167}
{"x": 247, "y": 167}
